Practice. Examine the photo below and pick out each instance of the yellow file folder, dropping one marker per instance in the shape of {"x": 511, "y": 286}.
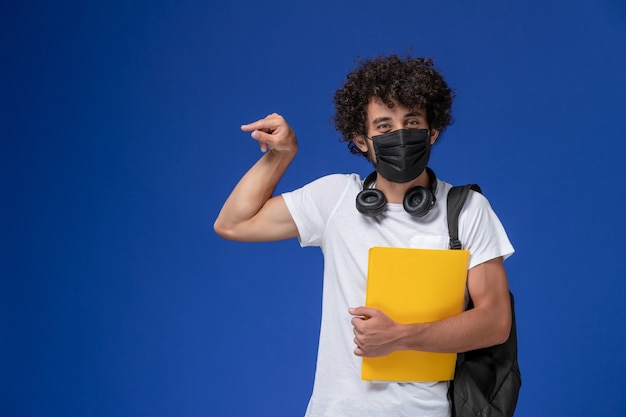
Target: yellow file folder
{"x": 415, "y": 286}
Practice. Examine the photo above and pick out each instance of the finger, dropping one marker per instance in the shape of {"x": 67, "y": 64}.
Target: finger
{"x": 357, "y": 323}
{"x": 266, "y": 141}
{"x": 266, "y": 136}
{"x": 357, "y": 351}
{"x": 363, "y": 312}
{"x": 259, "y": 124}
{"x": 269, "y": 123}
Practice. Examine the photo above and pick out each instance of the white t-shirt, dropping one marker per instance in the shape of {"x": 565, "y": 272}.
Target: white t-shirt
{"x": 326, "y": 216}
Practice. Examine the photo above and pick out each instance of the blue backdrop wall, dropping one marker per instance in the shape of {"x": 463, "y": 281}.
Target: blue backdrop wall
{"x": 120, "y": 140}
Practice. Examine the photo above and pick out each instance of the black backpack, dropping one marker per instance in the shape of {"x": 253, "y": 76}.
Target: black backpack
{"x": 486, "y": 381}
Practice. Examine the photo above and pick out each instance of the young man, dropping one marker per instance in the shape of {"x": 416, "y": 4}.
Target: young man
{"x": 390, "y": 110}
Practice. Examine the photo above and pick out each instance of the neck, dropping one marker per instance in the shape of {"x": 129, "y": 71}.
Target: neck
{"x": 394, "y": 192}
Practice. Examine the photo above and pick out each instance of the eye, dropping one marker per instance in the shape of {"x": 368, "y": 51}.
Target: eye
{"x": 383, "y": 126}
{"x": 412, "y": 123}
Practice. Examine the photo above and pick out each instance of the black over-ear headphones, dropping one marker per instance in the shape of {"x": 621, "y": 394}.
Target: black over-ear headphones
{"x": 417, "y": 201}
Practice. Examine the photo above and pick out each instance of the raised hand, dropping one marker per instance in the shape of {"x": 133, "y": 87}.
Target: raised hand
{"x": 273, "y": 133}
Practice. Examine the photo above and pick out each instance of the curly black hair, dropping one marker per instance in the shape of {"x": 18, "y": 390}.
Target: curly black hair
{"x": 412, "y": 82}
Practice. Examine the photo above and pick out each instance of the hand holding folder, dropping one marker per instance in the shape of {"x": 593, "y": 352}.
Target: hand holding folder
{"x": 415, "y": 286}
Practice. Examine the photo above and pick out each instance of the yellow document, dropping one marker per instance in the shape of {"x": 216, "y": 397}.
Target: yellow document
{"x": 415, "y": 286}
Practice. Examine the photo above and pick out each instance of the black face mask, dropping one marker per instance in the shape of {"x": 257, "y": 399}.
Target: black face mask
{"x": 402, "y": 155}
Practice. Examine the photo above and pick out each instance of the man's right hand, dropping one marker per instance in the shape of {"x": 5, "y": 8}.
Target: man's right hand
{"x": 273, "y": 133}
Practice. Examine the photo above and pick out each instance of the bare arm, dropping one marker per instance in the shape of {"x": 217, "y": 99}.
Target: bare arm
{"x": 251, "y": 213}
{"x": 487, "y": 324}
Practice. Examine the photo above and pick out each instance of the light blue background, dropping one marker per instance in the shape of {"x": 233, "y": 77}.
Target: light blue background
{"x": 120, "y": 140}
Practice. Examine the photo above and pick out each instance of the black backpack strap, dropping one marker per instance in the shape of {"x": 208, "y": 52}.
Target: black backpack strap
{"x": 456, "y": 199}
{"x": 486, "y": 381}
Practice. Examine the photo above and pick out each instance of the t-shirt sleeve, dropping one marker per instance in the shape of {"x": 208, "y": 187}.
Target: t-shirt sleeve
{"x": 312, "y": 206}
{"x": 483, "y": 235}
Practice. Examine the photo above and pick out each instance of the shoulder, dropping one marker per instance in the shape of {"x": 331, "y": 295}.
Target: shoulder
{"x": 324, "y": 191}
{"x": 475, "y": 199}
{"x": 332, "y": 183}
{"x": 339, "y": 180}
{"x": 478, "y": 201}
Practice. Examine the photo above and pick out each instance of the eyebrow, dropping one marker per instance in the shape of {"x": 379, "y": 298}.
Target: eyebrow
{"x": 414, "y": 113}
{"x": 380, "y": 119}
{"x": 385, "y": 118}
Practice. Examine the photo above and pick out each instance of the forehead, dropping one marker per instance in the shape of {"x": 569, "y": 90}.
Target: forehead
{"x": 376, "y": 109}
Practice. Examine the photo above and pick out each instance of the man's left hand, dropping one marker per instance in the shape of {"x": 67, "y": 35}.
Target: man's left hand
{"x": 375, "y": 334}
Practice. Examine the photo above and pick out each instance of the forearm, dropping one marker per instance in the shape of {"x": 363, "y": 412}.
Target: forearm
{"x": 472, "y": 329}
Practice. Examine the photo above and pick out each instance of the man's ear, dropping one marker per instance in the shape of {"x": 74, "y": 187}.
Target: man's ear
{"x": 434, "y": 134}
{"x": 359, "y": 141}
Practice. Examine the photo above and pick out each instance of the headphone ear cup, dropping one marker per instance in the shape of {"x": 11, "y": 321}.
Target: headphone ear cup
{"x": 418, "y": 201}
{"x": 371, "y": 202}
